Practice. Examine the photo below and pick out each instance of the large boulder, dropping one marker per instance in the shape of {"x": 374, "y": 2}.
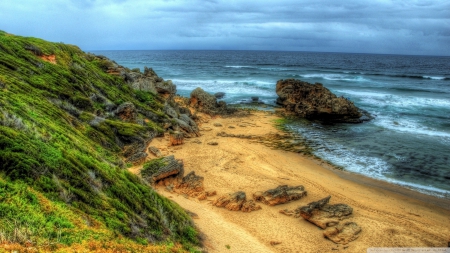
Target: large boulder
{"x": 207, "y": 103}
{"x": 313, "y": 101}
{"x": 160, "y": 169}
{"x": 280, "y": 195}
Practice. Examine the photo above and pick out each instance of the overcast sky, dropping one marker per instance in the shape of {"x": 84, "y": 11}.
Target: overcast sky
{"x": 365, "y": 26}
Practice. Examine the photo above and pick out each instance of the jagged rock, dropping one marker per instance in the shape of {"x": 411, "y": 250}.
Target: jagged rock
{"x": 154, "y": 150}
{"x": 236, "y": 202}
{"x": 343, "y": 233}
{"x": 126, "y": 112}
{"x": 176, "y": 138}
{"x": 172, "y": 167}
{"x": 207, "y": 103}
{"x": 191, "y": 185}
{"x": 166, "y": 89}
{"x": 280, "y": 195}
{"x": 219, "y": 95}
{"x": 170, "y": 111}
{"x": 190, "y": 126}
{"x": 324, "y": 215}
{"x": 313, "y": 101}
{"x": 134, "y": 149}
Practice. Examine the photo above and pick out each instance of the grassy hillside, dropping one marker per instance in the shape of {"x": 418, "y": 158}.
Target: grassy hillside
{"x": 62, "y": 178}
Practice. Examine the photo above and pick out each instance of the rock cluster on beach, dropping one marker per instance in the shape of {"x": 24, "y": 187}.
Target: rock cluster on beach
{"x": 330, "y": 219}
{"x": 315, "y": 102}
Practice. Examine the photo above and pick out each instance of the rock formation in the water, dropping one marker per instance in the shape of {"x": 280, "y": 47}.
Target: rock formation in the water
{"x": 236, "y": 202}
{"x": 280, "y": 195}
{"x": 313, "y": 101}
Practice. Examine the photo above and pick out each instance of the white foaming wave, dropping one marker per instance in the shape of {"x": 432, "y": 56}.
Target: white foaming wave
{"x": 398, "y": 101}
{"x": 409, "y": 126}
{"x": 239, "y": 67}
{"x": 434, "y": 77}
{"x": 372, "y": 167}
{"x": 336, "y": 77}
{"x": 251, "y": 87}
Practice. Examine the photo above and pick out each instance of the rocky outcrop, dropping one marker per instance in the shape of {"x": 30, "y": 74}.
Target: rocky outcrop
{"x": 192, "y": 186}
{"x": 219, "y": 95}
{"x": 329, "y": 217}
{"x": 207, "y": 103}
{"x": 236, "y": 202}
{"x": 170, "y": 167}
{"x": 176, "y": 138}
{"x": 313, "y": 101}
{"x": 126, "y": 112}
{"x": 280, "y": 195}
{"x": 324, "y": 215}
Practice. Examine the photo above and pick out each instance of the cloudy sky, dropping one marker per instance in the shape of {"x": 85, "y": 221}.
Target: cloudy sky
{"x": 364, "y": 26}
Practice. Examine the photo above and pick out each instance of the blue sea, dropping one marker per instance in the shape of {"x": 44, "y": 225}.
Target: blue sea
{"x": 408, "y": 142}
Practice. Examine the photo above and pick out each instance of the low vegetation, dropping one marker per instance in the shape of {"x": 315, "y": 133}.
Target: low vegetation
{"x": 62, "y": 179}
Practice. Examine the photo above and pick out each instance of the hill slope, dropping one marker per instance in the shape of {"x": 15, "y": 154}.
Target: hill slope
{"x": 67, "y": 119}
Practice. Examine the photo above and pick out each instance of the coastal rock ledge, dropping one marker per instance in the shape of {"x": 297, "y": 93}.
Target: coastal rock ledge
{"x": 315, "y": 102}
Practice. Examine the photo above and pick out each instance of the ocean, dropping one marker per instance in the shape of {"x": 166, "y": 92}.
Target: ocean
{"x": 408, "y": 142}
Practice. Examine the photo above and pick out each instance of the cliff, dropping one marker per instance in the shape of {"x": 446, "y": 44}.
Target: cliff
{"x": 70, "y": 123}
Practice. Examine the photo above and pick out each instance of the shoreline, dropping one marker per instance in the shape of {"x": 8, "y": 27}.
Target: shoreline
{"x": 386, "y": 213}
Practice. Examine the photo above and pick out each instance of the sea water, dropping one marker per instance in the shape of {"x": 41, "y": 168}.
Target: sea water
{"x": 408, "y": 141}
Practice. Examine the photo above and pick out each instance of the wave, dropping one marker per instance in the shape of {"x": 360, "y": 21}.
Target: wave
{"x": 409, "y": 126}
{"x": 336, "y": 77}
{"x": 240, "y": 67}
{"x": 413, "y": 76}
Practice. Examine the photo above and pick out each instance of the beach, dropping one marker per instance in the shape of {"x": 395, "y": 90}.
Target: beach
{"x": 389, "y": 216}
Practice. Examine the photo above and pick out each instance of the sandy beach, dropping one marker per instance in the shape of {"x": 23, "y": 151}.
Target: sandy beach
{"x": 390, "y": 216}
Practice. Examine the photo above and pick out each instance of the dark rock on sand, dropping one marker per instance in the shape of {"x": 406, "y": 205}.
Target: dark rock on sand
{"x": 313, "y": 101}
{"x": 343, "y": 233}
{"x": 154, "y": 150}
{"x": 280, "y": 195}
{"x": 236, "y": 202}
{"x": 324, "y": 215}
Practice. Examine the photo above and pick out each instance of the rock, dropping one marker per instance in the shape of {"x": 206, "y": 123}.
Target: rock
{"x": 219, "y": 95}
{"x": 213, "y": 143}
{"x": 166, "y": 89}
{"x": 172, "y": 167}
{"x": 313, "y": 101}
{"x": 273, "y": 243}
{"x": 176, "y": 138}
{"x": 280, "y": 195}
{"x": 217, "y": 125}
{"x": 236, "y": 202}
{"x": 207, "y": 103}
{"x": 255, "y": 99}
{"x": 170, "y": 111}
{"x": 126, "y": 112}
{"x": 193, "y": 128}
{"x": 324, "y": 215}
{"x": 154, "y": 150}
{"x": 191, "y": 185}
{"x": 343, "y": 233}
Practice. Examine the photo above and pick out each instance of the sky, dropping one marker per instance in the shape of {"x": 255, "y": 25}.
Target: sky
{"x": 365, "y": 26}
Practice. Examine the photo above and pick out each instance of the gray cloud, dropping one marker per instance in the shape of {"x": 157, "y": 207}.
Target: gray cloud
{"x": 403, "y": 27}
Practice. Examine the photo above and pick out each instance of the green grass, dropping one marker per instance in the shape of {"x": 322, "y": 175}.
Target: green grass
{"x": 54, "y": 156}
